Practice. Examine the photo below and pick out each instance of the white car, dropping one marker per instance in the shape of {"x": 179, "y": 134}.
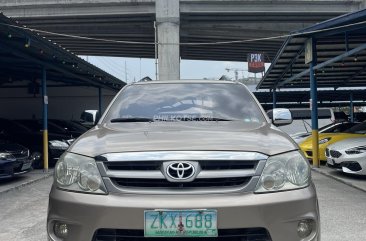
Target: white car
{"x": 348, "y": 155}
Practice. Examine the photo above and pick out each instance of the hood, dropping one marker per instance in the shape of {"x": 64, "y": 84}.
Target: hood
{"x": 11, "y": 147}
{"x": 183, "y": 136}
{"x": 348, "y": 143}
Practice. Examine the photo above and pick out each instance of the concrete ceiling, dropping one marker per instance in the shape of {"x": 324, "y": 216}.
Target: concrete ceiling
{"x": 200, "y": 21}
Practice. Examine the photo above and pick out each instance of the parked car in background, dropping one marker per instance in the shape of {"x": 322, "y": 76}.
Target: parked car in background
{"x": 14, "y": 159}
{"x": 72, "y": 128}
{"x": 348, "y": 155}
{"x": 37, "y": 125}
{"x": 32, "y": 138}
{"x": 360, "y": 116}
{"x": 331, "y": 128}
{"x": 326, "y": 139}
{"x": 340, "y": 116}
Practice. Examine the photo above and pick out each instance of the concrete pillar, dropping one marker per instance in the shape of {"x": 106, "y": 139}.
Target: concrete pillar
{"x": 167, "y": 21}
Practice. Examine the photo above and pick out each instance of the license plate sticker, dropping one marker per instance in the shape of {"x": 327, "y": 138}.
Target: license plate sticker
{"x": 181, "y": 223}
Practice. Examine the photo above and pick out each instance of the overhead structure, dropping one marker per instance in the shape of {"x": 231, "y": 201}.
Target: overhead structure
{"x": 328, "y": 54}
{"x": 340, "y": 52}
{"x": 23, "y": 55}
{"x": 300, "y": 98}
{"x": 29, "y": 61}
{"x": 199, "y": 22}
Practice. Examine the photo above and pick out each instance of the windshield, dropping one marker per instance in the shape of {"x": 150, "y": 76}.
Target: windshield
{"x": 358, "y": 129}
{"x": 185, "y": 102}
{"x": 337, "y": 127}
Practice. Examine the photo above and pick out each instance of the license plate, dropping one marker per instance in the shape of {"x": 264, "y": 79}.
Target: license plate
{"x": 180, "y": 223}
{"x": 26, "y": 166}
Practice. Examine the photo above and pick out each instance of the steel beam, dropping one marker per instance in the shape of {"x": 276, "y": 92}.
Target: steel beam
{"x": 323, "y": 64}
{"x": 45, "y": 119}
{"x": 351, "y": 109}
{"x": 314, "y": 107}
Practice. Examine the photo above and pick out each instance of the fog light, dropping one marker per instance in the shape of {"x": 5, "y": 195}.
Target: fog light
{"x": 305, "y": 228}
{"x": 61, "y": 230}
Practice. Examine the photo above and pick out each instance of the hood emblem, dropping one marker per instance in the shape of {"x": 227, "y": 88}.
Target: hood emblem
{"x": 180, "y": 170}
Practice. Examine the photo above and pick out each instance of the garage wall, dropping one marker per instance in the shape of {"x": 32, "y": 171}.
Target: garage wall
{"x": 63, "y": 102}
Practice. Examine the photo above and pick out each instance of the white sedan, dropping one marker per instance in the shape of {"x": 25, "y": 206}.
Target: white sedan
{"x": 348, "y": 155}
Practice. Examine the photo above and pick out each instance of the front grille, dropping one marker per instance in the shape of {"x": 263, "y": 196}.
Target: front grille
{"x": 156, "y": 165}
{"x": 213, "y": 172}
{"x": 245, "y": 234}
{"x": 309, "y": 153}
{"x": 335, "y": 154}
{"x": 197, "y": 183}
{"x": 353, "y": 166}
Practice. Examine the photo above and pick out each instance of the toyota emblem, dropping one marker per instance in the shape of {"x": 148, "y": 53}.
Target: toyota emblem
{"x": 180, "y": 170}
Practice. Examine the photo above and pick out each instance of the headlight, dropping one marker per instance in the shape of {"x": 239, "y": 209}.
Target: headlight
{"x": 6, "y": 156}
{"x": 284, "y": 172}
{"x": 356, "y": 150}
{"x": 78, "y": 173}
{"x": 59, "y": 144}
{"x": 325, "y": 140}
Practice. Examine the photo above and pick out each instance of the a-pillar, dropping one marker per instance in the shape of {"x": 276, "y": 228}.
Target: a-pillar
{"x": 167, "y": 22}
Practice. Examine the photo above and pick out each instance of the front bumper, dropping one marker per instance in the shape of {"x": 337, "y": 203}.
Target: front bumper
{"x": 279, "y": 213}
{"x": 308, "y": 152}
{"x": 15, "y": 167}
{"x": 352, "y": 164}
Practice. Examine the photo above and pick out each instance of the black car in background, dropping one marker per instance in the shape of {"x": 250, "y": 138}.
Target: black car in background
{"x": 72, "y": 128}
{"x": 14, "y": 159}
{"x": 29, "y": 134}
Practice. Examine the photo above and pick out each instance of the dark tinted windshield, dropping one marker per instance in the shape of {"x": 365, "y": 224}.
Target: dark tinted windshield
{"x": 188, "y": 101}
{"x": 358, "y": 129}
{"x": 335, "y": 128}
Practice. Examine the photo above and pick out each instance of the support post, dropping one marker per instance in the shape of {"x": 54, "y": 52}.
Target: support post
{"x": 351, "y": 109}
{"x": 167, "y": 21}
{"x": 314, "y": 107}
{"x": 274, "y": 98}
{"x": 45, "y": 119}
{"x": 100, "y": 102}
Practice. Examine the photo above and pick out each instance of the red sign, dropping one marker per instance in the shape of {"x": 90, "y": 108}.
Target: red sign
{"x": 256, "y": 63}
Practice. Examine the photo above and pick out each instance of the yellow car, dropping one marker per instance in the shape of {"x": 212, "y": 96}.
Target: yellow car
{"x": 325, "y": 139}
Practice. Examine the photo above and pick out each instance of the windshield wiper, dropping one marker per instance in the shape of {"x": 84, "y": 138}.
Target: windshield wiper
{"x": 132, "y": 119}
{"x": 201, "y": 119}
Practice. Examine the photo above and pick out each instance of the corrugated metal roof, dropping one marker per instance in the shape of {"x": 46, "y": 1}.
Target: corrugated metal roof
{"x": 24, "y": 53}
{"x": 334, "y": 37}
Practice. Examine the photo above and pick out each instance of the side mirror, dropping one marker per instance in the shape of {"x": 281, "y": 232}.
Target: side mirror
{"x": 89, "y": 117}
{"x": 280, "y": 116}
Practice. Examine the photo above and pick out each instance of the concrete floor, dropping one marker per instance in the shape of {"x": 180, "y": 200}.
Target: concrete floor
{"x": 342, "y": 208}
